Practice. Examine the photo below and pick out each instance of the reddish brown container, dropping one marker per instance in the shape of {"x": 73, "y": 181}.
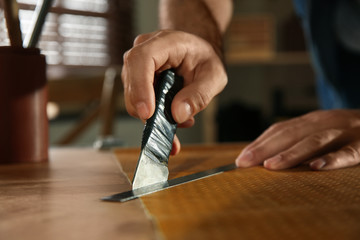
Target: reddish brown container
{"x": 23, "y": 99}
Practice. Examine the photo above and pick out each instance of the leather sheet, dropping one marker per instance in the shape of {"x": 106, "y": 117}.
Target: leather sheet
{"x": 252, "y": 203}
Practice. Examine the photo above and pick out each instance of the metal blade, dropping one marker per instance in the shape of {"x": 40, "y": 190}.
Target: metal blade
{"x": 142, "y": 191}
{"x": 149, "y": 172}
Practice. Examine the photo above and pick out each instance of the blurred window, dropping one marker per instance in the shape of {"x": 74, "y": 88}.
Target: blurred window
{"x": 74, "y": 34}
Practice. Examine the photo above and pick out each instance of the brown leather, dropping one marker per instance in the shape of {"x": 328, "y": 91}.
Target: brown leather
{"x": 252, "y": 203}
{"x": 23, "y": 99}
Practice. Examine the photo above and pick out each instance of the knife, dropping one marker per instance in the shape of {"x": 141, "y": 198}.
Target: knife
{"x": 158, "y": 134}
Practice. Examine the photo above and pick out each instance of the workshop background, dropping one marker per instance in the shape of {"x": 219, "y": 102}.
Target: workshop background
{"x": 270, "y": 74}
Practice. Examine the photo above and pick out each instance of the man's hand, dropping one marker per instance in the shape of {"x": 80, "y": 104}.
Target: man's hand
{"x": 325, "y": 139}
{"x": 193, "y": 58}
{"x": 192, "y": 44}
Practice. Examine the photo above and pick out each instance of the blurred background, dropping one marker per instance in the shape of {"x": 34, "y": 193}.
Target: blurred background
{"x": 270, "y": 77}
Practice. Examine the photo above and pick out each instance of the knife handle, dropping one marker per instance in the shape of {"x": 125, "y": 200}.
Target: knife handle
{"x": 160, "y": 129}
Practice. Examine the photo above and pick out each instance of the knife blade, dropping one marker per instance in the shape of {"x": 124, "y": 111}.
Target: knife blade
{"x": 158, "y": 134}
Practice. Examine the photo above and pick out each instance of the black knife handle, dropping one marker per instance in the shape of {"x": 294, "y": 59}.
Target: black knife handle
{"x": 160, "y": 129}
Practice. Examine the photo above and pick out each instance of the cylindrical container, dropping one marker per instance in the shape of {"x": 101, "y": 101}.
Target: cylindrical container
{"x": 23, "y": 100}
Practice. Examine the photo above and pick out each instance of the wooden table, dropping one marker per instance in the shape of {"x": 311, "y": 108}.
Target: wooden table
{"x": 60, "y": 200}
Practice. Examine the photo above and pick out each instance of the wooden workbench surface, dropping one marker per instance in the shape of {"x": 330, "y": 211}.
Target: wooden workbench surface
{"x": 60, "y": 199}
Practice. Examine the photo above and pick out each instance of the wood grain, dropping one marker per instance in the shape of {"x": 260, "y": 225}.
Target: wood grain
{"x": 252, "y": 203}
{"x": 61, "y": 199}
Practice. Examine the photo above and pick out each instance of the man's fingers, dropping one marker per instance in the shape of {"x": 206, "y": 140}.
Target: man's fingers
{"x": 189, "y": 101}
{"x": 140, "y": 65}
{"x": 294, "y": 129}
{"x": 143, "y": 38}
{"x": 277, "y": 138}
{"x": 197, "y": 94}
{"x": 284, "y": 135}
{"x": 273, "y": 129}
{"x": 138, "y": 85}
{"x": 187, "y": 124}
{"x": 289, "y": 143}
{"x": 204, "y": 74}
{"x": 303, "y": 150}
{"x": 175, "y": 146}
{"x": 298, "y": 127}
{"x": 345, "y": 157}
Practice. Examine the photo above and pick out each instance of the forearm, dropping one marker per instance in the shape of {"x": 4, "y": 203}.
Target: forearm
{"x": 207, "y": 19}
